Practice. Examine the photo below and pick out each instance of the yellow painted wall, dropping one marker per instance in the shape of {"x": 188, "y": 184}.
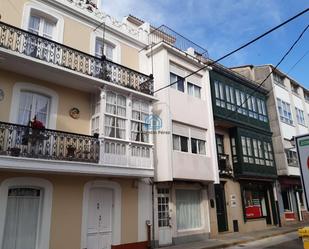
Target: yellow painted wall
{"x": 129, "y": 56}
{"x": 67, "y": 208}
{"x": 11, "y": 11}
{"x": 68, "y": 98}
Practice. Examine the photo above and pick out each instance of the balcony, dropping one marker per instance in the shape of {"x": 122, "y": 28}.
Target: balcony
{"x": 23, "y": 141}
{"x": 30, "y": 45}
{"x": 126, "y": 154}
{"x": 225, "y": 168}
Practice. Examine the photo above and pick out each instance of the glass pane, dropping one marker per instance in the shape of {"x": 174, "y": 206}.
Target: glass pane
{"x": 194, "y": 145}
{"x": 176, "y": 142}
{"x": 48, "y": 29}
{"x": 34, "y": 24}
{"x": 98, "y": 48}
{"x": 184, "y": 144}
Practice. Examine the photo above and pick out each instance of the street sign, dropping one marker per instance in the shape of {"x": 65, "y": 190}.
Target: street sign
{"x": 302, "y": 146}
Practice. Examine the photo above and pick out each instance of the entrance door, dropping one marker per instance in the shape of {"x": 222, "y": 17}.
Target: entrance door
{"x": 165, "y": 228}
{"x": 100, "y": 213}
{"x": 221, "y": 207}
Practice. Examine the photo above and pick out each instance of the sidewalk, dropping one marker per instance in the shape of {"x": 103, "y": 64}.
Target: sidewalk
{"x": 230, "y": 239}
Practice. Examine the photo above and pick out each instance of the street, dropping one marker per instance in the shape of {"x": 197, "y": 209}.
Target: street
{"x": 286, "y": 241}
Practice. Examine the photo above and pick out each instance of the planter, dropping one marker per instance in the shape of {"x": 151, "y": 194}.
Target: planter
{"x": 71, "y": 151}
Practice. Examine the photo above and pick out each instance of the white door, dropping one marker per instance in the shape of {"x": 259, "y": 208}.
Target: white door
{"x": 100, "y": 213}
{"x": 164, "y": 219}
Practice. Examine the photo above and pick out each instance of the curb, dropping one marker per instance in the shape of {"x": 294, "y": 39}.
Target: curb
{"x": 227, "y": 244}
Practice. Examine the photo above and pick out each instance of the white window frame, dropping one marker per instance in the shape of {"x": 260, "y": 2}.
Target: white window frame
{"x": 300, "y": 116}
{"x": 46, "y": 12}
{"x": 109, "y": 40}
{"x": 45, "y": 218}
{"x": 23, "y": 86}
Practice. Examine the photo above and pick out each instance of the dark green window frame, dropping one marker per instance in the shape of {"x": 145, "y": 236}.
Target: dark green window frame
{"x": 229, "y": 97}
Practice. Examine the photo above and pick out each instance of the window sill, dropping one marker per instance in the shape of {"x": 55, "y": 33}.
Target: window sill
{"x": 287, "y": 123}
{"x": 125, "y": 141}
{"x": 280, "y": 85}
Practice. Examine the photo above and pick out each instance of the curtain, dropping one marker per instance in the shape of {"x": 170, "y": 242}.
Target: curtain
{"x": 188, "y": 209}
{"x": 120, "y": 130}
{"x": 25, "y": 107}
{"x": 134, "y": 131}
{"x": 34, "y": 24}
{"x": 21, "y": 221}
{"x": 109, "y": 126}
{"x": 201, "y": 146}
{"x": 48, "y": 29}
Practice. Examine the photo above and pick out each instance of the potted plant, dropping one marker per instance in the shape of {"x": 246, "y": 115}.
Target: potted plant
{"x": 35, "y": 133}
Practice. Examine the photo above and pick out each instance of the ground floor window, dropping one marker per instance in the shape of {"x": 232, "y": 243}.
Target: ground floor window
{"x": 188, "y": 209}
{"x": 22, "y": 218}
{"x": 255, "y": 204}
{"x": 286, "y": 199}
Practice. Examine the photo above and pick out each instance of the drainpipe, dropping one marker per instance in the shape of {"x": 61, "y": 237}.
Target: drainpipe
{"x": 152, "y": 244}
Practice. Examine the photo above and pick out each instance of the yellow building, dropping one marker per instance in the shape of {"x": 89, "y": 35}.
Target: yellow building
{"x": 84, "y": 180}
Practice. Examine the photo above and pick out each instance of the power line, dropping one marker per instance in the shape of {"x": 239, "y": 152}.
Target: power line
{"x": 299, "y": 60}
{"x": 238, "y": 49}
{"x": 273, "y": 69}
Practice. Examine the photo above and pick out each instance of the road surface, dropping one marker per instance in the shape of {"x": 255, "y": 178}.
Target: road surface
{"x": 286, "y": 241}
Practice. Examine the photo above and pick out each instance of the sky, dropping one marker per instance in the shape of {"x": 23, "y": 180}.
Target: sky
{"x": 223, "y": 25}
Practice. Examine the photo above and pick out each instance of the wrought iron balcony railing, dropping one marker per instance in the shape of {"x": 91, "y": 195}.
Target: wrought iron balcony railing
{"x": 32, "y": 45}
{"x": 224, "y": 165}
{"x": 24, "y": 141}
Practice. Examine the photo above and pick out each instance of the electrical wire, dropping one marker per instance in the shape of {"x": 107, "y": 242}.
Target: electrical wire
{"x": 299, "y": 60}
{"x": 271, "y": 72}
{"x": 238, "y": 49}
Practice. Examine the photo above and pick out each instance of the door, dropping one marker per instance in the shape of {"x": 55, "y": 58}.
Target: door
{"x": 99, "y": 223}
{"x": 164, "y": 219}
{"x": 221, "y": 207}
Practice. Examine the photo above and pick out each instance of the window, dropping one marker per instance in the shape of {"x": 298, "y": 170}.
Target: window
{"x": 22, "y": 218}
{"x": 278, "y": 79}
{"x": 108, "y": 49}
{"x": 95, "y": 113}
{"x": 300, "y": 116}
{"x": 284, "y": 109}
{"x": 25, "y": 209}
{"x": 294, "y": 88}
{"x": 139, "y": 151}
{"x": 194, "y": 90}
{"x": 115, "y": 115}
{"x": 234, "y": 152}
{"x": 219, "y": 143}
{"x": 286, "y": 199}
{"x": 33, "y": 105}
{"x": 219, "y": 92}
{"x": 255, "y": 204}
{"x": 114, "y": 148}
{"x": 140, "y": 111}
{"x": 230, "y": 98}
{"x": 163, "y": 207}
{"x": 180, "y": 143}
{"x": 256, "y": 151}
{"x": 198, "y": 146}
{"x": 291, "y": 157}
{"x": 306, "y": 95}
{"x": 180, "y": 82}
{"x": 188, "y": 209}
{"x": 41, "y": 26}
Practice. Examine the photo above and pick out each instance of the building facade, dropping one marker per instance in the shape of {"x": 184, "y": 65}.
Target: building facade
{"x": 288, "y": 112}
{"x": 185, "y": 152}
{"x": 76, "y": 163}
{"x": 245, "y": 197}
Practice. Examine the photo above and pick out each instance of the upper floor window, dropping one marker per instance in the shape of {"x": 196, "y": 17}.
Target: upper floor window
{"x": 284, "y": 109}
{"x": 32, "y": 105}
{"x": 107, "y": 49}
{"x": 180, "y": 143}
{"x": 198, "y": 146}
{"x": 291, "y": 157}
{"x": 194, "y": 90}
{"x": 41, "y": 26}
{"x": 140, "y": 111}
{"x": 115, "y": 115}
{"x": 294, "y": 88}
{"x": 306, "y": 95}
{"x": 220, "y": 144}
{"x": 300, "y": 116}
{"x": 256, "y": 151}
{"x": 278, "y": 79}
{"x": 229, "y": 97}
{"x": 180, "y": 82}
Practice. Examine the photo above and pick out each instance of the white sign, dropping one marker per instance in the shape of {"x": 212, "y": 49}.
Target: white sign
{"x": 302, "y": 146}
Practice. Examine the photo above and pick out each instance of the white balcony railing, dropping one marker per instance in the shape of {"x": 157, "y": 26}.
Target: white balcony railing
{"x": 126, "y": 154}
